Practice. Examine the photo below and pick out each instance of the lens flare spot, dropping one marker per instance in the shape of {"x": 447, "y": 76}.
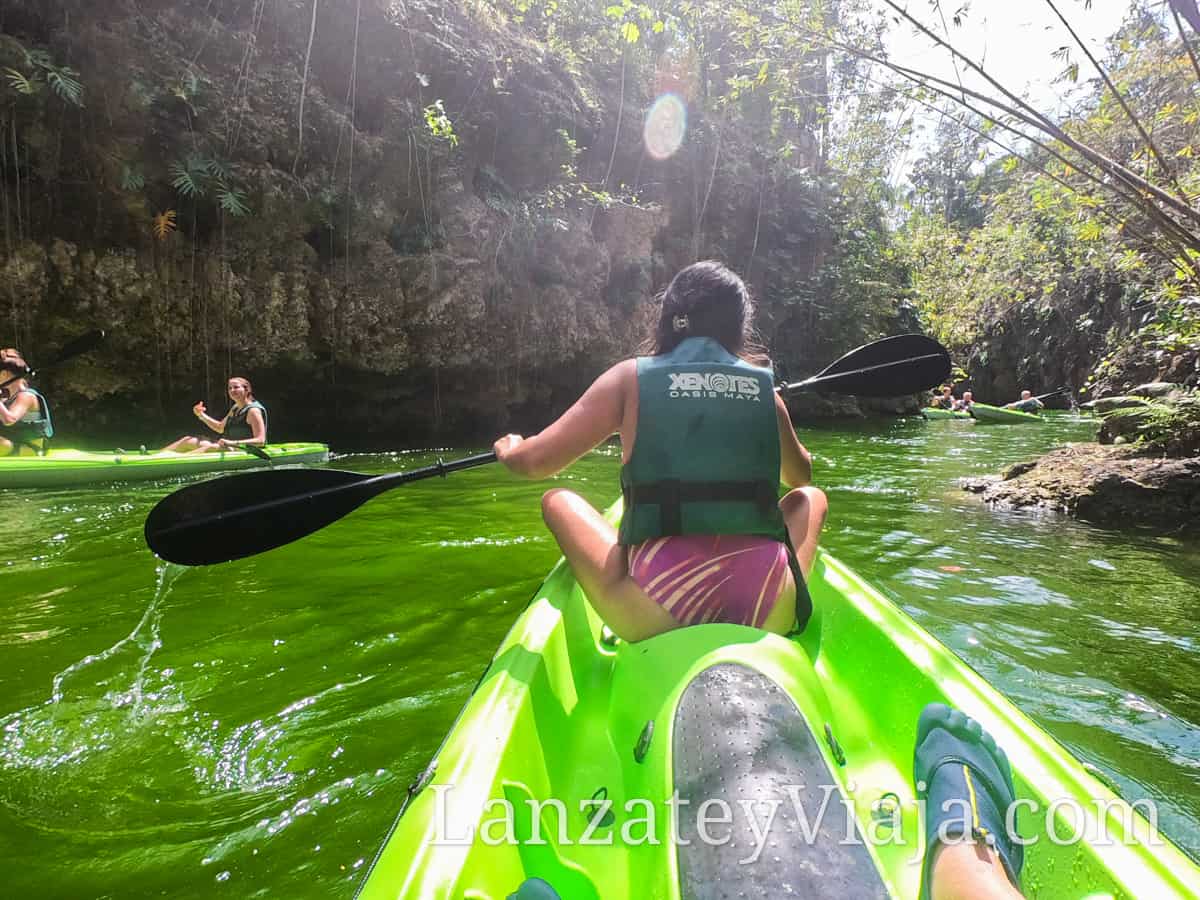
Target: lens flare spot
{"x": 666, "y": 124}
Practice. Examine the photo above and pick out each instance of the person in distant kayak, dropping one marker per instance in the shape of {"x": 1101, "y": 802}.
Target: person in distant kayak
{"x": 1028, "y": 403}
{"x": 944, "y": 400}
{"x": 24, "y": 412}
{"x": 705, "y": 443}
{"x": 965, "y": 404}
{"x": 245, "y": 423}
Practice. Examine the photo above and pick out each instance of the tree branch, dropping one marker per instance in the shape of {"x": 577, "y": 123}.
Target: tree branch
{"x": 1183, "y": 39}
{"x": 1033, "y": 117}
{"x": 1129, "y": 113}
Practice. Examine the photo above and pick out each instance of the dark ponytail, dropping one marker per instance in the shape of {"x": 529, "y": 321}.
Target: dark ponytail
{"x": 707, "y": 299}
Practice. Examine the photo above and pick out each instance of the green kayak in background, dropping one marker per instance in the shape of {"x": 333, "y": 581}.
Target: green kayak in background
{"x": 935, "y": 413}
{"x": 61, "y": 468}
{"x": 982, "y": 412}
{"x": 586, "y": 768}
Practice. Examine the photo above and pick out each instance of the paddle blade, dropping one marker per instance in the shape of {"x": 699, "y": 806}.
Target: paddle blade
{"x": 891, "y": 367}
{"x": 240, "y": 515}
{"x": 83, "y": 344}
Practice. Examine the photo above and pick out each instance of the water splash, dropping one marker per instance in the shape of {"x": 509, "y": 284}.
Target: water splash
{"x": 74, "y": 725}
{"x": 145, "y": 636}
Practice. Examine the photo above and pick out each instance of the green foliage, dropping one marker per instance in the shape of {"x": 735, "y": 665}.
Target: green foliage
{"x": 1172, "y": 428}
{"x": 439, "y": 123}
{"x": 232, "y": 201}
{"x": 20, "y": 83}
{"x": 63, "y": 81}
{"x": 132, "y": 178}
{"x": 189, "y": 176}
{"x": 196, "y": 176}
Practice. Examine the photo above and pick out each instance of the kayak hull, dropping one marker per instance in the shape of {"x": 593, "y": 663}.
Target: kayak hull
{"x": 566, "y": 720}
{"x": 932, "y": 413}
{"x": 983, "y": 412}
{"x": 66, "y": 468}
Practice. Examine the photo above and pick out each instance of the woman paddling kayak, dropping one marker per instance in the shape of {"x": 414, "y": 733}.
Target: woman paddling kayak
{"x": 245, "y": 423}
{"x": 705, "y": 442}
{"x": 24, "y": 412}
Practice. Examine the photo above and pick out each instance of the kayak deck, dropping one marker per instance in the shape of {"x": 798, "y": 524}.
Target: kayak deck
{"x": 931, "y": 413}
{"x": 61, "y": 468}
{"x": 566, "y": 718}
{"x": 984, "y": 412}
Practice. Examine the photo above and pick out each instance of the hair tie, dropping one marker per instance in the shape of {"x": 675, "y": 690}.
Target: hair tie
{"x": 680, "y": 323}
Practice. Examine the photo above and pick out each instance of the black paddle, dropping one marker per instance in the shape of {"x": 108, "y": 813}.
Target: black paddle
{"x": 81, "y": 345}
{"x": 241, "y": 515}
{"x": 255, "y": 450}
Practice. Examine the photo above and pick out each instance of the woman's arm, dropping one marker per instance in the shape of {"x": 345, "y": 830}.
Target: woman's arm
{"x": 594, "y": 417}
{"x": 258, "y": 430}
{"x": 12, "y": 413}
{"x": 217, "y": 425}
{"x": 795, "y": 465}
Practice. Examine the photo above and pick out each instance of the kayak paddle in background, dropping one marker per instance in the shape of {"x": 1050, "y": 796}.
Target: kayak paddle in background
{"x": 237, "y": 516}
{"x": 255, "y": 450}
{"x": 83, "y": 344}
{"x": 890, "y": 367}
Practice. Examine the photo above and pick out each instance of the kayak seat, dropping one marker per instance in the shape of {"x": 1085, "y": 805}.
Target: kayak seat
{"x": 740, "y": 739}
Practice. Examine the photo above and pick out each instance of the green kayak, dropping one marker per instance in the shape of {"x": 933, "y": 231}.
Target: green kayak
{"x": 60, "y": 468}
{"x": 982, "y": 412}
{"x": 600, "y": 768}
{"x": 934, "y": 413}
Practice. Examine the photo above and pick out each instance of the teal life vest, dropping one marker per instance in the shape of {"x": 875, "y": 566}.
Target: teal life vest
{"x": 236, "y": 426}
{"x": 706, "y": 456}
{"x": 35, "y": 428}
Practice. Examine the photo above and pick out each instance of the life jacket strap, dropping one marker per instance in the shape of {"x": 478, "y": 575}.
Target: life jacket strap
{"x": 670, "y": 494}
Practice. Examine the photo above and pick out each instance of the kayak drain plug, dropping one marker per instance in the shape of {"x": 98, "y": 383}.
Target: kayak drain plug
{"x": 643, "y": 744}
{"x": 885, "y": 812}
{"x": 598, "y": 810}
{"x": 838, "y": 753}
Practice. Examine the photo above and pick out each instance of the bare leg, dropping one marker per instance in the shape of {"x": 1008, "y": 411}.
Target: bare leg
{"x": 969, "y": 871}
{"x": 184, "y": 444}
{"x": 804, "y": 510}
{"x": 6, "y": 447}
{"x": 203, "y": 446}
{"x": 598, "y": 561}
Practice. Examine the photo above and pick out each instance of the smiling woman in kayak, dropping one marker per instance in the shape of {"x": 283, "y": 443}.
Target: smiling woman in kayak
{"x": 24, "y": 412}
{"x": 705, "y": 443}
{"x": 245, "y": 423}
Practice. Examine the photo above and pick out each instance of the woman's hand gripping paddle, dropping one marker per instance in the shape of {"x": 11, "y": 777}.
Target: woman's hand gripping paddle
{"x": 242, "y": 515}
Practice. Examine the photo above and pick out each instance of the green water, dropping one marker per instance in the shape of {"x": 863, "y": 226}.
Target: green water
{"x": 250, "y": 729}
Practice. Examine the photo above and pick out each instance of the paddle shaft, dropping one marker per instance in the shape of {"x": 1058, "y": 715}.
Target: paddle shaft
{"x": 77, "y": 347}
{"x": 817, "y": 382}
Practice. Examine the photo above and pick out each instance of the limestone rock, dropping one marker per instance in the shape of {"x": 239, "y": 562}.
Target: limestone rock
{"x": 1109, "y": 486}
